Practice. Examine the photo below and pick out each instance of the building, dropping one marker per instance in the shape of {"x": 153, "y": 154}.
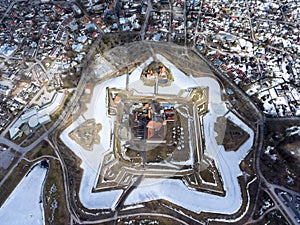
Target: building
{"x": 156, "y": 131}
{"x": 5, "y": 87}
{"x": 35, "y": 117}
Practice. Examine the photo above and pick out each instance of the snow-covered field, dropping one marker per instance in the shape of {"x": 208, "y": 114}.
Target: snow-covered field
{"x": 150, "y": 189}
{"x": 24, "y": 205}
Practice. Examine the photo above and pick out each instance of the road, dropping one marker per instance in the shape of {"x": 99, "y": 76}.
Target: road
{"x": 144, "y": 28}
{"x": 278, "y": 195}
{"x": 263, "y": 183}
{"x": 71, "y": 210}
{"x": 125, "y": 194}
{"x": 268, "y": 187}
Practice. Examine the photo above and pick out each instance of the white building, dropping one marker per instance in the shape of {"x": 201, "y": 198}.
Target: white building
{"x": 5, "y": 87}
{"x": 36, "y": 116}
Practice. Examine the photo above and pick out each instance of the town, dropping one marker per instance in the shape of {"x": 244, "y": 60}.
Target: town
{"x": 118, "y": 94}
{"x": 254, "y": 42}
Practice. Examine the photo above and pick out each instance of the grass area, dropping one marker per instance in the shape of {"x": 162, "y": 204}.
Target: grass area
{"x": 148, "y": 82}
{"x": 147, "y": 220}
{"x": 229, "y": 134}
{"x": 112, "y": 172}
{"x": 157, "y": 153}
{"x": 133, "y": 152}
{"x": 265, "y": 202}
{"x": 280, "y": 164}
{"x": 286, "y": 167}
{"x": 71, "y": 83}
{"x": 54, "y": 196}
{"x": 279, "y": 127}
{"x": 155, "y": 67}
{"x": 247, "y": 164}
{"x": 273, "y": 218}
{"x": 2, "y": 173}
{"x": 33, "y": 136}
{"x": 112, "y": 40}
{"x": 42, "y": 149}
{"x": 207, "y": 176}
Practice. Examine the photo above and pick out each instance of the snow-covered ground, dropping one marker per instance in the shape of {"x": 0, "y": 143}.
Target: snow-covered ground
{"x": 150, "y": 189}
{"x": 24, "y": 205}
{"x": 91, "y": 160}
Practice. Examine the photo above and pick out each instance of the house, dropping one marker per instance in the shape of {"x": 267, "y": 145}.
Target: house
{"x": 156, "y": 131}
{"x": 297, "y": 111}
{"x": 4, "y": 89}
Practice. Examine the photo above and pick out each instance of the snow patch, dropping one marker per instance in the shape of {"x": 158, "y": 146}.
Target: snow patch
{"x": 24, "y": 205}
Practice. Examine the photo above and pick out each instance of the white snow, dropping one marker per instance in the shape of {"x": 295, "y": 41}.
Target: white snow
{"x": 24, "y": 205}
{"x": 91, "y": 160}
{"x": 269, "y": 148}
{"x": 50, "y": 108}
{"x": 267, "y": 152}
{"x": 290, "y": 180}
{"x": 133, "y": 207}
{"x": 293, "y": 130}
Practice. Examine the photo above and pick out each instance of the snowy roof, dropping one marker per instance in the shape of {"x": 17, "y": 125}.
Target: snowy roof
{"x": 44, "y": 119}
